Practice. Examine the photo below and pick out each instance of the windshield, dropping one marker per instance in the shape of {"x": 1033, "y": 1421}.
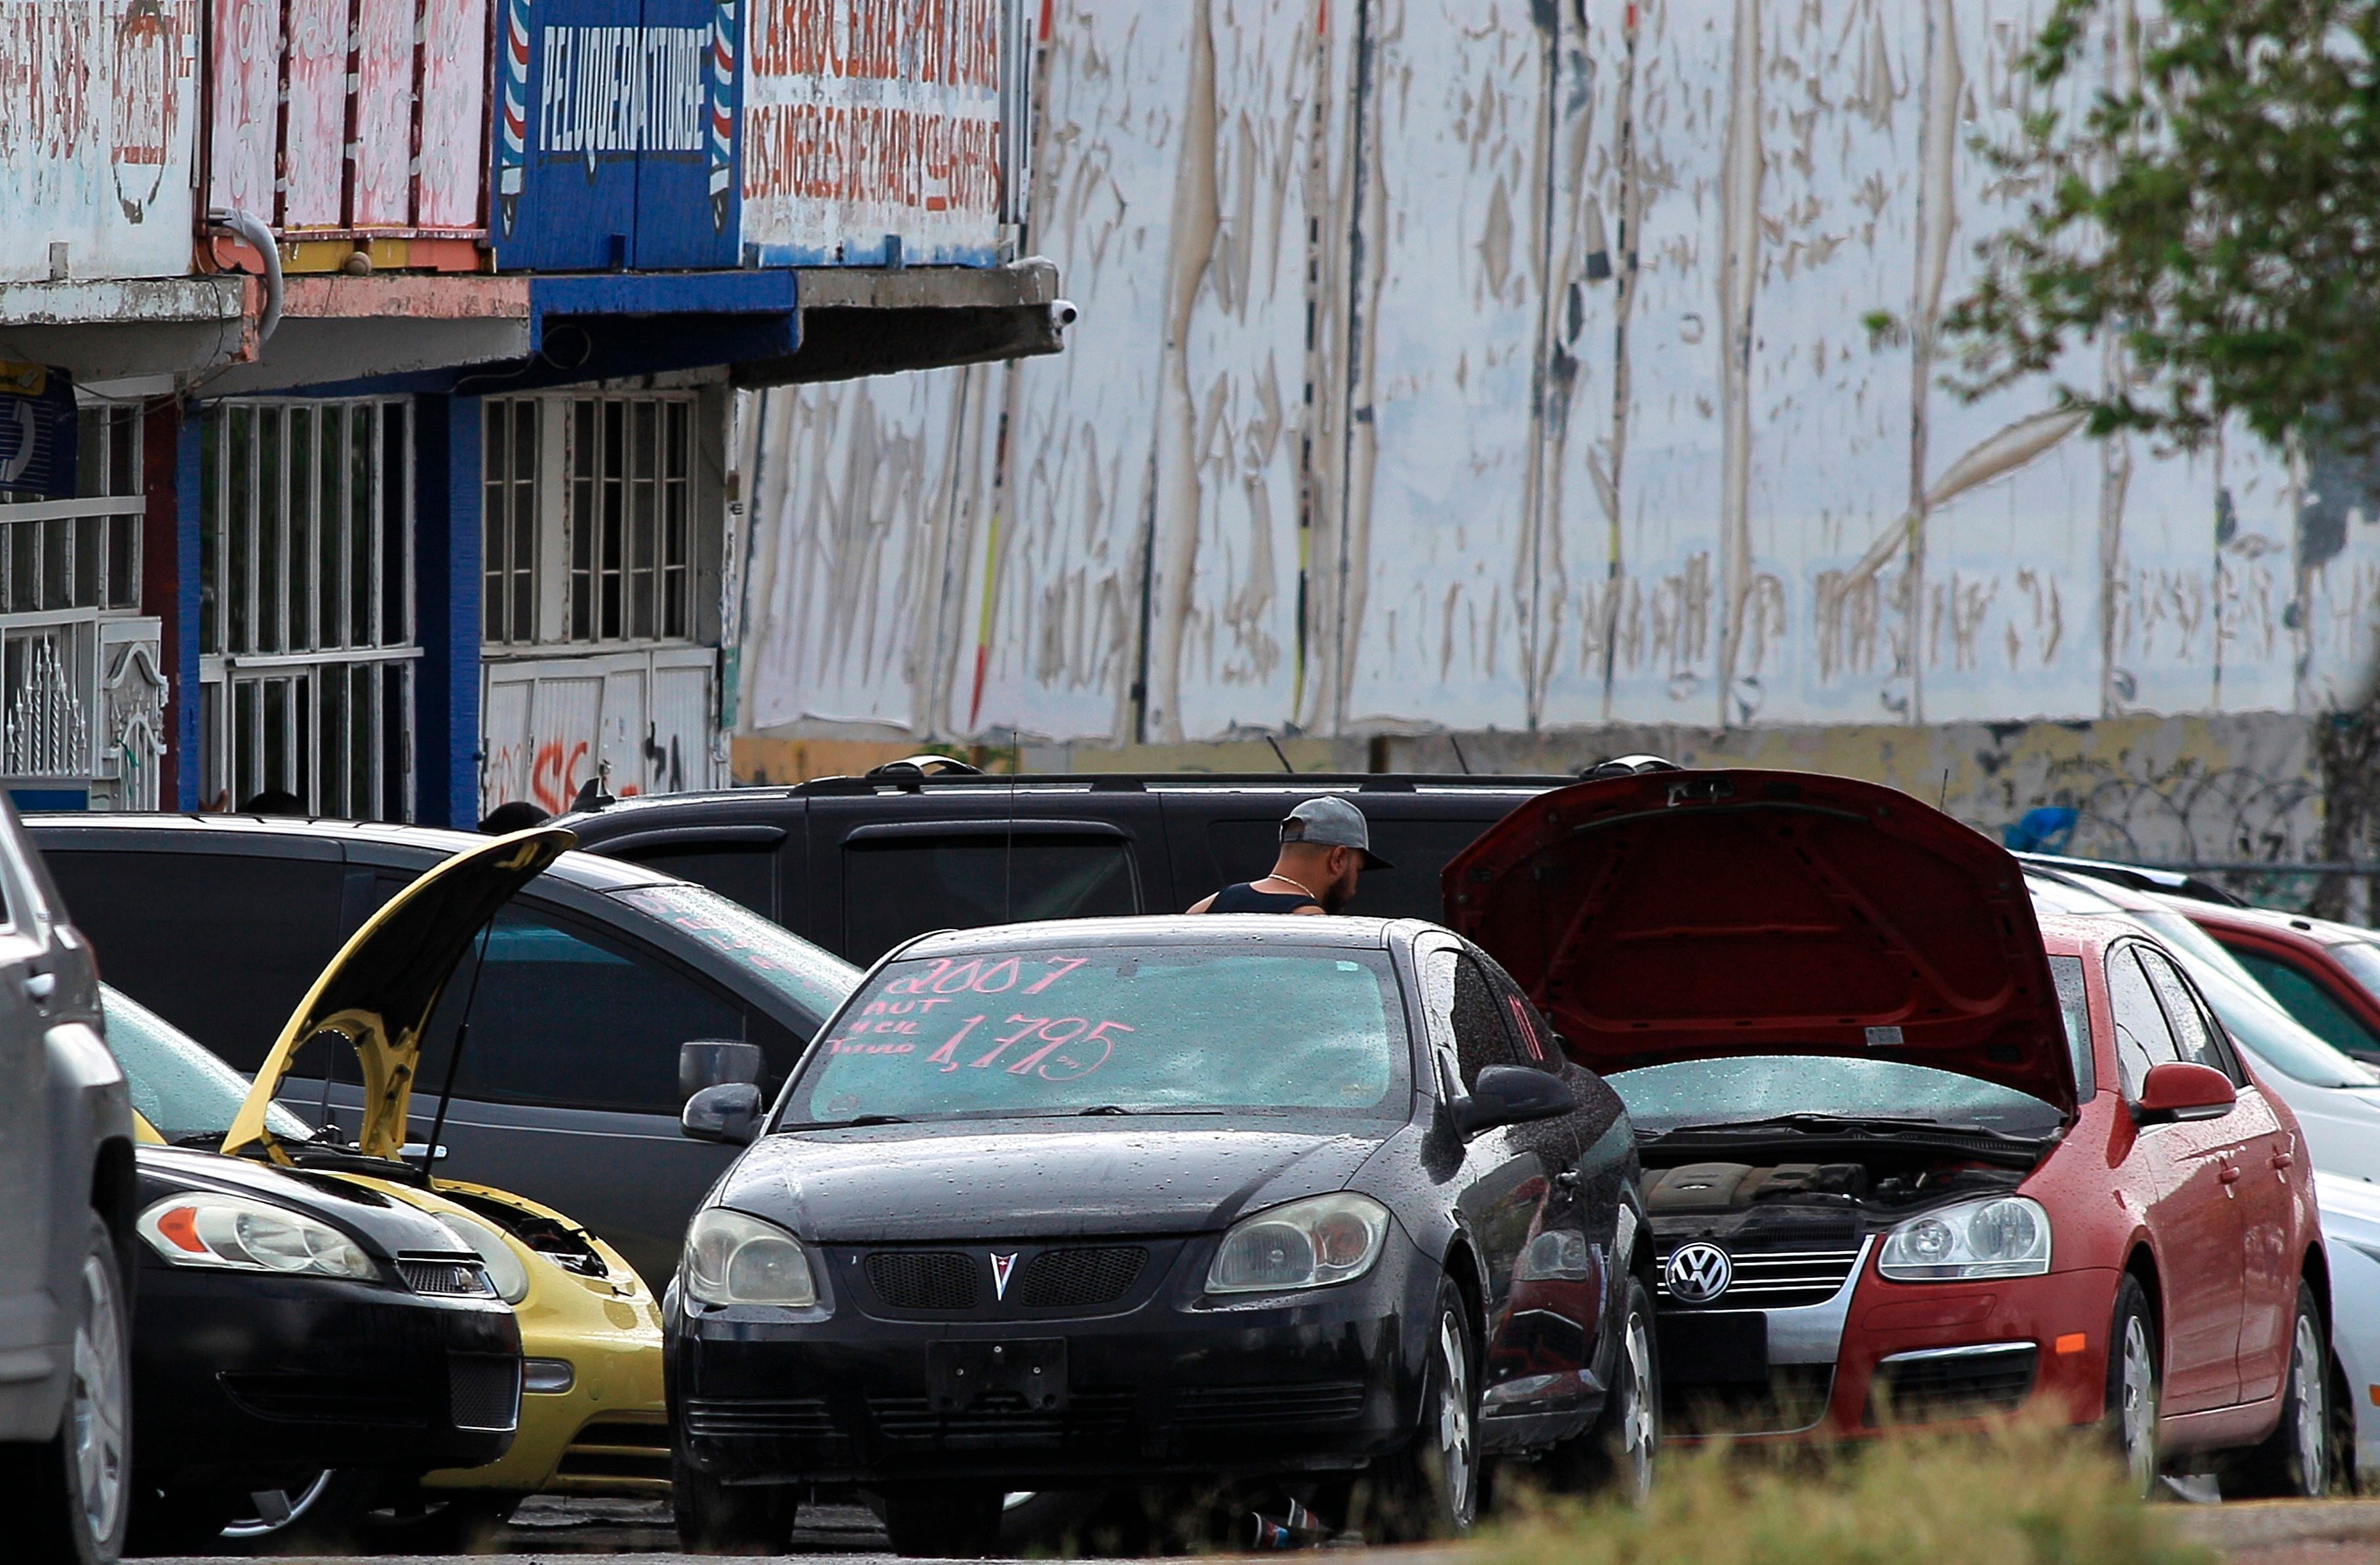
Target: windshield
{"x": 176, "y": 1085}
{"x": 2277, "y": 1039}
{"x": 2361, "y": 959}
{"x": 1141, "y": 1028}
{"x": 815, "y": 980}
{"x": 2183, "y": 936}
{"x": 1705, "y": 1093}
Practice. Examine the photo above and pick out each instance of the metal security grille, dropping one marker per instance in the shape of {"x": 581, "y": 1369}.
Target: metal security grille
{"x": 307, "y": 615}
{"x": 587, "y": 519}
{"x": 83, "y": 553}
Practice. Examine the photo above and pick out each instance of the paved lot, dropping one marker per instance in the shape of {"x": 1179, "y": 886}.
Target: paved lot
{"x": 2331, "y": 1533}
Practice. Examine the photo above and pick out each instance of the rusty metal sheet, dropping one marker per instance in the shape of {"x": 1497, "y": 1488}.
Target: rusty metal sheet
{"x": 872, "y": 131}
{"x": 382, "y": 154}
{"x": 243, "y": 85}
{"x": 97, "y": 139}
{"x": 314, "y": 132}
{"x": 448, "y": 185}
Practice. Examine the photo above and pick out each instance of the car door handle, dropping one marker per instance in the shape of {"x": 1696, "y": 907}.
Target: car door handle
{"x": 41, "y": 986}
{"x": 2284, "y": 1160}
{"x": 2229, "y": 1174}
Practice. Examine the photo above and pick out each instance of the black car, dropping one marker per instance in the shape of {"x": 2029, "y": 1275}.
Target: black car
{"x": 860, "y": 864}
{"x": 1272, "y": 1200}
{"x": 290, "y": 1323}
{"x": 593, "y": 978}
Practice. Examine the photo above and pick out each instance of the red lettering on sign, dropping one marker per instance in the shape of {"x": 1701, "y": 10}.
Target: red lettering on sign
{"x": 947, "y": 1057}
{"x": 1065, "y": 966}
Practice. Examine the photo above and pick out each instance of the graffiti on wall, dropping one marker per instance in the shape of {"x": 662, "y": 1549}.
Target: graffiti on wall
{"x": 1482, "y": 363}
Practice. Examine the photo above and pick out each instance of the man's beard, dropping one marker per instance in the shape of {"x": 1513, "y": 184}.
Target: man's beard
{"x": 1336, "y": 896}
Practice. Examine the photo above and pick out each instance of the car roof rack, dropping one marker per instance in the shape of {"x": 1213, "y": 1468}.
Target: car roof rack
{"x": 920, "y": 781}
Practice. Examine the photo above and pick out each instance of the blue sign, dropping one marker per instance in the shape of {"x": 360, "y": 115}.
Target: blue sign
{"x": 37, "y": 431}
{"x": 617, "y": 139}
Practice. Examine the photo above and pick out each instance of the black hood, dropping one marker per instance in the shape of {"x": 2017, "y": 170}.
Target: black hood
{"x": 390, "y": 1227}
{"x": 1029, "y": 1179}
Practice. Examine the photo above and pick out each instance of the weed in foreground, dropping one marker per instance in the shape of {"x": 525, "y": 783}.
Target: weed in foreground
{"x": 2020, "y": 1497}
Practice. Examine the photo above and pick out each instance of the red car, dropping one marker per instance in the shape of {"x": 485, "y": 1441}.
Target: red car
{"x": 2325, "y": 975}
{"x": 1911, "y": 1155}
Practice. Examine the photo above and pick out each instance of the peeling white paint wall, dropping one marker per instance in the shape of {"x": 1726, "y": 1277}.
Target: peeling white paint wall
{"x": 1502, "y": 364}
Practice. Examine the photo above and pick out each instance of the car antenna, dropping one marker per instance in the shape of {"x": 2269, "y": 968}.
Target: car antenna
{"x": 1459, "y": 758}
{"x": 1008, "y": 847}
{"x": 1276, "y": 751}
{"x": 1945, "y": 805}
{"x": 454, "y": 1056}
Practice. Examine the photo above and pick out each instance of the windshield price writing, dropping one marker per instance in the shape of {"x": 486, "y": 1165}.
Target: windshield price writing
{"x": 1055, "y": 1048}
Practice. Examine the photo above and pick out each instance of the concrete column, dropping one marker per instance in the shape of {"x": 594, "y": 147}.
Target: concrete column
{"x": 446, "y": 545}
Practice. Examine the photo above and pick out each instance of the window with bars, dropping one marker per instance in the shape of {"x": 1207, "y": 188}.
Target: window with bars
{"x": 306, "y": 607}
{"x": 588, "y": 525}
{"x": 83, "y": 553}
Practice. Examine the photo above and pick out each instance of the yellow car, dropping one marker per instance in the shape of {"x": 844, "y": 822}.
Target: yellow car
{"x": 592, "y": 1419}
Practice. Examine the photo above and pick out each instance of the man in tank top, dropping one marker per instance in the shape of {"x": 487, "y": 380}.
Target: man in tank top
{"x": 1326, "y": 846}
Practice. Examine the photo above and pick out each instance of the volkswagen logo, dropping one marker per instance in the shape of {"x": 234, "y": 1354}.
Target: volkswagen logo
{"x": 1697, "y": 1273}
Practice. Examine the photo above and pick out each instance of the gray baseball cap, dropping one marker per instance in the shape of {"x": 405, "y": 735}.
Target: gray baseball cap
{"x": 1330, "y": 822}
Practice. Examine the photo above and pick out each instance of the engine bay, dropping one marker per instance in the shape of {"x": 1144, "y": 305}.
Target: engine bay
{"x": 1885, "y": 1182}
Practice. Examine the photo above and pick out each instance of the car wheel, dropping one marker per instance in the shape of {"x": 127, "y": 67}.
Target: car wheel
{"x": 1622, "y": 1444}
{"x": 72, "y": 1493}
{"x": 2134, "y": 1381}
{"x": 321, "y": 1514}
{"x": 453, "y": 1521}
{"x": 945, "y": 1522}
{"x": 1430, "y": 1489}
{"x": 716, "y": 1518}
{"x": 2295, "y": 1460}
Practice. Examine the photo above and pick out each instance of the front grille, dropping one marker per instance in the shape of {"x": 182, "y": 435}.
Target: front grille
{"x": 1774, "y": 1280}
{"x": 924, "y": 1279}
{"x": 1065, "y": 1279}
{"x": 1004, "y": 1419}
{"x": 1793, "y": 1397}
{"x": 1931, "y": 1389}
{"x": 463, "y": 1279}
{"x": 616, "y": 1451}
{"x": 1324, "y": 1402}
{"x": 344, "y": 1397}
{"x": 483, "y": 1392}
{"x": 783, "y": 1418}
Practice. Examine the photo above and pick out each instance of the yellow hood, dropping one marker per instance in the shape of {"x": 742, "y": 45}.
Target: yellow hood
{"x": 379, "y": 991}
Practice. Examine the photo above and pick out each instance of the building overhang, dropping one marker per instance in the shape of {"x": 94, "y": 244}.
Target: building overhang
{"x": 100, "y": 329}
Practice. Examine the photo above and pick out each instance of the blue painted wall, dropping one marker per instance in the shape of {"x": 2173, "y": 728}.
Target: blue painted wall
{"x": 446, "y": 586}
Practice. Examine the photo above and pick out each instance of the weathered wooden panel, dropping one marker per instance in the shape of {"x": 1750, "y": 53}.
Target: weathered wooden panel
{"x": 97, "y": 138}
{"x": 448, "y": 192}
{"x": 383, "y": 196}
{"x": 314, "y": 157}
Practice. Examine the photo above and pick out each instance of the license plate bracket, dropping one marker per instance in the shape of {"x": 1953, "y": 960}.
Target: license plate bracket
{"x": 1715, "y": 1349}
{"x": 960, "y": 1374}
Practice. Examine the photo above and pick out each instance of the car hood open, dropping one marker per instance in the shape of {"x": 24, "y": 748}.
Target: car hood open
{"x": 960, "y": 1181}
{"x": 1698, "y": 915}
{"x": 377, "y": 993}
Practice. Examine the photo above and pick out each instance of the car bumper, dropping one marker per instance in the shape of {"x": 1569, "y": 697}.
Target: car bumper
{"x": 608, "y": 1433}
{"x": 1178, "y": 1386}
{"x": 1936, "y": 1355}
{"x": 241, "y": 1379}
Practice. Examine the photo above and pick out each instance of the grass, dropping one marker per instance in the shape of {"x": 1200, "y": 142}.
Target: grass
{"x": 2023, "y": 1497}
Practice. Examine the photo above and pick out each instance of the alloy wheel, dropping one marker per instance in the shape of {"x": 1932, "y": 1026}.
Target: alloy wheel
{"x": 99, "y": 1418}
{"x": 2140, "y": 1405}
{"x": 1637, "y": 1434}
{"x": 2312, "y": 1388}
{"x": 268, "y": 1511}
{"x": 1454, "y": 1434}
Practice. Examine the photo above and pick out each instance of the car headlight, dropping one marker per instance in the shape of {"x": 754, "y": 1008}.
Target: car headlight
{"x": 235, "y": 1233}
{"x": 1310, "y": 1243}
{"x": 505, "y": 1272}
{"x": 2006, "y": 1235}
{"x": 734, "y": 1259}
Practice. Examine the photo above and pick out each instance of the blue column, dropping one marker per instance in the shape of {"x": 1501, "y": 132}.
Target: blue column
{"x": 188, "y": 585}
{"x": 446, "y": 453}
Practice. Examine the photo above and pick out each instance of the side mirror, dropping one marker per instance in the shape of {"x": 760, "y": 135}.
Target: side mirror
{"x": 1512, "y": 1094}
{"x": 713, "y": 1062}
{"x": 729, "y": 1112}
{"x": 2179, "y": 1091}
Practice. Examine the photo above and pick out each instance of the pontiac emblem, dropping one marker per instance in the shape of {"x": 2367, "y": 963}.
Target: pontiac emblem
{"x": 1001, "y": 1267}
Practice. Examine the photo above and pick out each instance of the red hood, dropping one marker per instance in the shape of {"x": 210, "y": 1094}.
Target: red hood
{"x": 1695, "y": 915}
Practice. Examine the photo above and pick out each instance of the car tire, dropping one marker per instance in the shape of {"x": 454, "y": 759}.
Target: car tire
{"x": 944, "y": 1521}
{"x": 2135, "y": 1381}
{"x": 2296, "y": 1461}
{"x": 1621, "y": 1448}
{"x": 72, "y": 1493}
{"x": 451, "y": 1521}
{"x": 1430, "y": 1489}
{"x": 716, "y": 1518}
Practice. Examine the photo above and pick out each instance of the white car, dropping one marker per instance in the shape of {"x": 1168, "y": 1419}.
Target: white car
{"x": 2351, "y": 1231}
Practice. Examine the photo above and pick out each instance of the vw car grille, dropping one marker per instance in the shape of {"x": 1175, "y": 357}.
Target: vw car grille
{"x": 1772, "y": 1280}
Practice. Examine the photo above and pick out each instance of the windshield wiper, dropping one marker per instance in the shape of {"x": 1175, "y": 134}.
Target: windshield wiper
{"x": 1103, "y": 1108}
{"x": 201, "y": 1138}
{"x": 856, "y": 1122}
{"x": 1823, "y": 1124}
